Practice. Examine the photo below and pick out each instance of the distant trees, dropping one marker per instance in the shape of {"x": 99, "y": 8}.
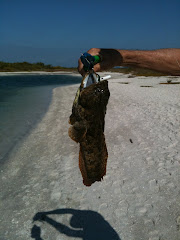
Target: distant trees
{"x": 23, "y": 66}
{"x": 26, "y": 66}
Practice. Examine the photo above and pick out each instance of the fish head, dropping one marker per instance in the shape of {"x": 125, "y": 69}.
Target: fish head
{"x": 95, "y": 95}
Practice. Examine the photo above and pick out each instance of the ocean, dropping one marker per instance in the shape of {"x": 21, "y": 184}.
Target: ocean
{"x": 24, "y": 99}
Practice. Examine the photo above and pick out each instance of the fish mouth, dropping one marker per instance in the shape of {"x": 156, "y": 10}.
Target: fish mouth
{"x": 89, "y": 79}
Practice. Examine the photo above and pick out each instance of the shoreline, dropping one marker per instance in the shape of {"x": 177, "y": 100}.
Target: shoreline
{"x": 25, "y": 125}
{"x": 38, "y": 73}
{"x": 26, "y": 106}
{"x": 74, "y": 73}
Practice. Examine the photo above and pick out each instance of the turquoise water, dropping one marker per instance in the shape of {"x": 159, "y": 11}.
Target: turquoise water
{"x": 24, "y": 99}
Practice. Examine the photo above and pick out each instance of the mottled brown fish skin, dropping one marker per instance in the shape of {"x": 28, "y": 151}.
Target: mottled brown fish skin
{"x": 87, "y": 128}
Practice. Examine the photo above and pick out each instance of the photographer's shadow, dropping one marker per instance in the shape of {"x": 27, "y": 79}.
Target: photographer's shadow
{"x": 86, "y": 224}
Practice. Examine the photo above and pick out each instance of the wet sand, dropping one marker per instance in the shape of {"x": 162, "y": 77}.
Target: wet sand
{"x": 24, "y": 99}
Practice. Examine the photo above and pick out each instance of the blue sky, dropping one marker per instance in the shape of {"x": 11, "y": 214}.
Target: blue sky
{"x": 56, "y": 31}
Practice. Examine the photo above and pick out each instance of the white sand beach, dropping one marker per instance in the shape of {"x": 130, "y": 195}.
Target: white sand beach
{"x": 140, "y": 195}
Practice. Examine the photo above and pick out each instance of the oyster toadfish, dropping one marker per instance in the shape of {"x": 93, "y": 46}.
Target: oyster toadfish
{"x": 87, "y": 120}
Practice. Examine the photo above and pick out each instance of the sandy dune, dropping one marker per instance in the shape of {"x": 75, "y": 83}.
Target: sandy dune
{"x": 139, "y": 197}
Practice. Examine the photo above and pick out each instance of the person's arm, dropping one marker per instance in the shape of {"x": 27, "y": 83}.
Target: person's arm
{"x": 64, "y": 229}
{"x": 163, "y": 60}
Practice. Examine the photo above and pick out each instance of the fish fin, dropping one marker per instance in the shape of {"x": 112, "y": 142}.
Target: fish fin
{"x": 77, "y": 131}
{"x": 72, "y": 119}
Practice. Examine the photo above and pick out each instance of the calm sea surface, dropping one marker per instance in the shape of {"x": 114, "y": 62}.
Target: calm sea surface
{"x": 24, "y": 99}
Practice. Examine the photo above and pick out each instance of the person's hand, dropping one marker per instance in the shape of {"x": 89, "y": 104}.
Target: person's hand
{"x": 109, "y": 59}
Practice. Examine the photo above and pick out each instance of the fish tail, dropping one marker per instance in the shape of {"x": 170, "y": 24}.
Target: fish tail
{"x": 99, "y": 171}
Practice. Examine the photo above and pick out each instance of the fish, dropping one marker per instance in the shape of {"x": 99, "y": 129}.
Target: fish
{"x": 87, "y": 128}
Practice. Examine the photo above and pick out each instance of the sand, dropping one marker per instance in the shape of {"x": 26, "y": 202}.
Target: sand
{"x": 139, "y": 196}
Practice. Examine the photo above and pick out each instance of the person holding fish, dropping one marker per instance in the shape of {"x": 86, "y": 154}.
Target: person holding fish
{"x": 163, "y": 60}
{"x": 90, "y": 104}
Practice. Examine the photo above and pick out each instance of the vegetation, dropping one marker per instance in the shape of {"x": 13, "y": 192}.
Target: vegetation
{"x": 25, "y": 66}
{"x": 39, "y": 66}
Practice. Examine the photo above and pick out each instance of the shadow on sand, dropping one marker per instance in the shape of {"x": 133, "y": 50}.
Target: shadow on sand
{"x": 85, "y": 224}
